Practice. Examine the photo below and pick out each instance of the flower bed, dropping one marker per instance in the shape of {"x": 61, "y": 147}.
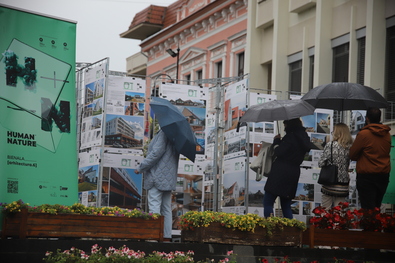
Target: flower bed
{"x": 123, "y": 254}
{"x": 77, "y": 208}
{"x": 250, "y": 229}
{"x": 344, "y": 227}
{"x": 78, "y": 221}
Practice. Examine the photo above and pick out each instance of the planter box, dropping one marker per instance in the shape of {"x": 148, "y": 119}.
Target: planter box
{"x": 215, "y": 233}
{"x": 25, "y": 224}
{"x": 348, "y": 238}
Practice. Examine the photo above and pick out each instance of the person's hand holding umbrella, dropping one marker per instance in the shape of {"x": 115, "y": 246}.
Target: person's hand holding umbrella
{"x": 278, "y": 136}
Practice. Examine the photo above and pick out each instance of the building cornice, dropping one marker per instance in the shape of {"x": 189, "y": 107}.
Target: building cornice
{"x": 203, "y": 18}
{"x": 194, "y": 41}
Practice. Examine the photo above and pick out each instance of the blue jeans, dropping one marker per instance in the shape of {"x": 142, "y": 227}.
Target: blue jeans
{"x": 268, "y": 202}
{"x": 160, "y": 202}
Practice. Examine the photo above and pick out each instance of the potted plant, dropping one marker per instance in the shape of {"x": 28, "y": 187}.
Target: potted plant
{"x": 249, "y": 229}
{"x": 339, "y": 217}
{"x": 77, "y": 220}
{"x": 331, "y": 227}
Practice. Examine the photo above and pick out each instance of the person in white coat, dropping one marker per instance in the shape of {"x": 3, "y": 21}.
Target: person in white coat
{"x": 160, "y": 176}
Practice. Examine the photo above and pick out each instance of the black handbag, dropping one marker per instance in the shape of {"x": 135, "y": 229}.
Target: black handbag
{"x": 328, "y": 173}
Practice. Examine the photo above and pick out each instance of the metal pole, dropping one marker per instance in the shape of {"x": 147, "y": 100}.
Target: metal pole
{"x": 178, "y": 61}
{"x": 105, "y": 62}
{"x": 218, "y": 148}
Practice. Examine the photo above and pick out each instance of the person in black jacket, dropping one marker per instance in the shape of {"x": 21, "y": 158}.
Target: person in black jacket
{"x": 284, "y": 176}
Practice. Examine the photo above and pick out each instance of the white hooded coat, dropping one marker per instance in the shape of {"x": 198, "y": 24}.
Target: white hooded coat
{"x": 161, "y": 164}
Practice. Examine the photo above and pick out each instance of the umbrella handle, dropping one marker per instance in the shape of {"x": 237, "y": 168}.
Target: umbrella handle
{"x": 278, "y": 128}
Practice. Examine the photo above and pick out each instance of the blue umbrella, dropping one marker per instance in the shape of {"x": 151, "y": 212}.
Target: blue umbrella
{"x": 175, "y": 126}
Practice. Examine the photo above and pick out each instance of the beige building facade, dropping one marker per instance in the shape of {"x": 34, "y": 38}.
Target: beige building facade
{"x": 295, "y": 45}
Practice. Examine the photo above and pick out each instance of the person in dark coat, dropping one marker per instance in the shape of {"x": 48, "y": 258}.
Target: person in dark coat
{"x": 284, "y": 176}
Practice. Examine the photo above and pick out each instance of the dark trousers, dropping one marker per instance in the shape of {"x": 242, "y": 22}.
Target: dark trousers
{"x": 268, "y": 202}
{"x": 371, "y": 189}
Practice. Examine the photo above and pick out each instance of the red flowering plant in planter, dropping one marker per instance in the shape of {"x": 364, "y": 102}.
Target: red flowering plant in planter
{"x": 342, "y": 217}
{"x": 374, "y": 220}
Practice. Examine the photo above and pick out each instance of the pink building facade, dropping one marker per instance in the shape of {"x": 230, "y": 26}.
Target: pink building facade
{"x": 208, "y": 40}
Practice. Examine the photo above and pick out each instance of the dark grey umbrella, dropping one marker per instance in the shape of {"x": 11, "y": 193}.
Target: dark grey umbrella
{"x": 343, "y": 96}
{"x": 276, "y": 110}
{"x": 175, "y": 126}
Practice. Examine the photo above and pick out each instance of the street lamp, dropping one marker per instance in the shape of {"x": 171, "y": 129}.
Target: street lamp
{"x": 174, "y": 54}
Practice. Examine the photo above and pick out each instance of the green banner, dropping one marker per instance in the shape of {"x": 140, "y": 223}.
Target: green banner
{"x": 389, "y": 197}
{"x": 38, "y": 157}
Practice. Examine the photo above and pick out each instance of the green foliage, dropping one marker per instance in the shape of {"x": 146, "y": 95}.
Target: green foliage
{"x": 85, "y": 186}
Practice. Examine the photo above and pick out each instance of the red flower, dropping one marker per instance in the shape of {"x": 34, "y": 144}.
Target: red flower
{"x": 337, "y": 208}
{"x": 341, "y": 217}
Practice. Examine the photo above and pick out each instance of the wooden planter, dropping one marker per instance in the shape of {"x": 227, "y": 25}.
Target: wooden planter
{"x": 348, "y": 238}
{"x": 215, "y": 233}
{"x": 25, "y": 224}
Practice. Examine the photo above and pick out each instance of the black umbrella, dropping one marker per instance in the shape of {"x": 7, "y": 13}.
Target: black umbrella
{"x": 343, "y": 96}
{"x": 276, "y": 110}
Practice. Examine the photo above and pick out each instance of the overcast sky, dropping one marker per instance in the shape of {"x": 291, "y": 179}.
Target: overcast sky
{"x": 99, "y": 23}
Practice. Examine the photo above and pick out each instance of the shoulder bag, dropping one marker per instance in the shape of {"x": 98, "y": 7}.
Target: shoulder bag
{"x": 328, "y": 173}
{"x": 262, "y": 164}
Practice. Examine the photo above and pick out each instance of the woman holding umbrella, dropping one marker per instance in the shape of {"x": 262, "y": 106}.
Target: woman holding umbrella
{"x": 161, "y": 164}
{"x": 160, "y": 177}
{"x": 284, "y": 175}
